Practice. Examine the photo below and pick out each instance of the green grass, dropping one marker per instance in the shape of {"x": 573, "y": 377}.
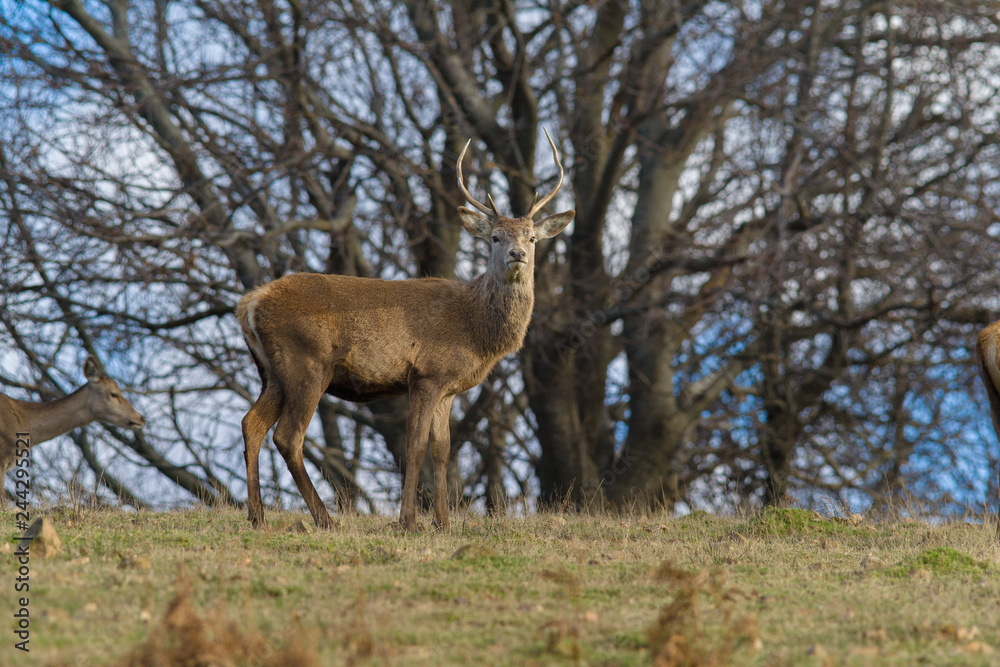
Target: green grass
{"x": 941, "y": 561}
{"x": 783, "y": 587}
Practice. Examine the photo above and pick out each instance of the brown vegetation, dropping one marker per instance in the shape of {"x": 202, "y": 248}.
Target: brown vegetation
{"x": 186, "y": 637}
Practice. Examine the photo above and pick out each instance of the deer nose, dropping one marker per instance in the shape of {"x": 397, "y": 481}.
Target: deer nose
{"x": 517, "y": 254}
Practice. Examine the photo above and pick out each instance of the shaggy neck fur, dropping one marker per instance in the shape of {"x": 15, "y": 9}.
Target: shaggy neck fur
{"x": 503, "y": 311}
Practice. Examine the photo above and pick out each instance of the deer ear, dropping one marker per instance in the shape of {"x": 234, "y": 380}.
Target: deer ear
{"x": 91, "y": 369}
{"x": 552, "y": 225}
{"x": 475, "y": 223}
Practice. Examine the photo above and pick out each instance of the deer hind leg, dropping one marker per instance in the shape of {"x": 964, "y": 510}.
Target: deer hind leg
{"x": 441, "y": 451}
{"x": 257, "y": 422}
{"x": 289, "y": 436}
{"x": 424, "y": 399}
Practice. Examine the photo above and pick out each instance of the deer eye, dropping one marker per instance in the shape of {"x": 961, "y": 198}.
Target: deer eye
{"x": 496, "y": 239}
{"x": 531, "y": 240}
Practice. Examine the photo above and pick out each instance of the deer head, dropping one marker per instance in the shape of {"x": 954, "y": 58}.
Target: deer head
{"x": 512, "y": 240}
{"x": 106, "y": 402}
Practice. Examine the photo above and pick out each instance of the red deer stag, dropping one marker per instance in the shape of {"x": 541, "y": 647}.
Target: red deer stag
{"x": 361, "y": 339}
{"x": 98, "y": 400}
{"x": 988, "y": 361}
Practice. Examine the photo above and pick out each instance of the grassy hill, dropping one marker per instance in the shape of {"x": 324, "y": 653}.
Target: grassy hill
{"x": 784, "y": 587}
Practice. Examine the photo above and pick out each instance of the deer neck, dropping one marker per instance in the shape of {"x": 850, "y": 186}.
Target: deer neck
{"x": 44, "y": 421}
{"x": 503, "y": 312}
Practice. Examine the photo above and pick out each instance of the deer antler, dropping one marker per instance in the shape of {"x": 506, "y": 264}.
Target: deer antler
{"x": 489, "y": 198}
{"x": 482, "y": 207}
{"x": 536, "y": 207}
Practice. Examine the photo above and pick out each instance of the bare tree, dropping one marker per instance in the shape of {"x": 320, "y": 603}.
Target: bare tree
{"x": 785, "y": 233}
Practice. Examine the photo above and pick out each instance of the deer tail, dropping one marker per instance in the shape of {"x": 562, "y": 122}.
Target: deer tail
{"x": 245, "y": 315}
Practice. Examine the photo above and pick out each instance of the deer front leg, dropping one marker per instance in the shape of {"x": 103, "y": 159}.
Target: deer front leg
{"x": 441, "y": 451}
{"x": 424, "y": 398}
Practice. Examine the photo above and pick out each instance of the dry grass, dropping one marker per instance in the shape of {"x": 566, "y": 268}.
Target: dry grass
{"x": 785, "y": 587}
{"x": 187, "y": 637}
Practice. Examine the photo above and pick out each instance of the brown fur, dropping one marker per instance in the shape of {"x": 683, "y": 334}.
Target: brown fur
{"x": 988, "y": 362}
{"x": 98, "y": 400}
{"x": 361, "y": 339}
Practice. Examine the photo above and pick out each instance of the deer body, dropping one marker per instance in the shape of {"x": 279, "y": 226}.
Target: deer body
{"x": 98, "y": 400}
{"x": 988, "y": 362}
{"x": 361, "y": 339}
{"x": 372, "y": 341}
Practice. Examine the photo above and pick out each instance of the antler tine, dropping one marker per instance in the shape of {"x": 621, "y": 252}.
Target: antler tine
{"x": 496, "y": 211}
{"x": 482, "y": 207}
{"x": 535, "y": 208}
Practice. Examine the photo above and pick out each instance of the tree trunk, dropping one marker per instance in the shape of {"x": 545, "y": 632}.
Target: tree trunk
{"x": 496, "y": 493}
{"x": 566, "y": 469}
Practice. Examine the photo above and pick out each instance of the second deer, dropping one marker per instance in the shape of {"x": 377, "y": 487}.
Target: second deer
{"x": 361, "y": 339}
{"x": 99, "y": 400}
